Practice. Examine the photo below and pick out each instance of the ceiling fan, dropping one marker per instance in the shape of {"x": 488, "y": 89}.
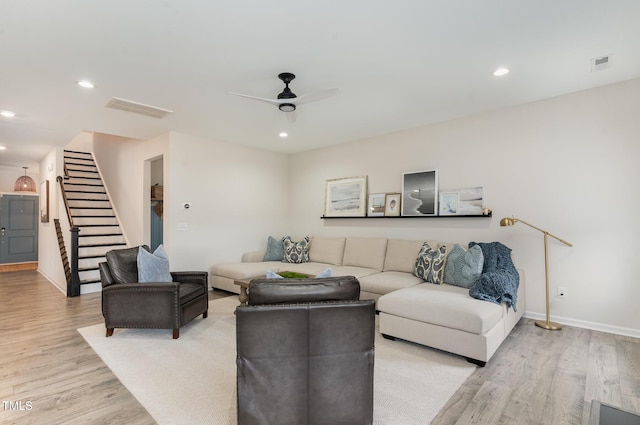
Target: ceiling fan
{"x": 287, "y": 101}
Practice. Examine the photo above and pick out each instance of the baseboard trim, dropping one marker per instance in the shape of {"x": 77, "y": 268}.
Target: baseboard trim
{"x": 618, "y": 330}
{"x": 53, "y": 282}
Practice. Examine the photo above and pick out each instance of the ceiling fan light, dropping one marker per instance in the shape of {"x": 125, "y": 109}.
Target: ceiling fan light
{"x": 287, "y": 107}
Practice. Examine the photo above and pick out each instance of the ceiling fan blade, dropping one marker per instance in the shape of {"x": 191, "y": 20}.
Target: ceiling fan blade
{"x": 262, "y": 99}
{"x": 291, "y": 116}
{"x": 314, "y": 96}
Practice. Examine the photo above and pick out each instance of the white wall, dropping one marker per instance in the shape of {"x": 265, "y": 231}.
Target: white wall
{"x": 238, "y": 196}
{"x": 567, "y": 165}
{"x": 122, "y": 164}
{"x": 49, "y": 259}
{"x": 9, "y": 175}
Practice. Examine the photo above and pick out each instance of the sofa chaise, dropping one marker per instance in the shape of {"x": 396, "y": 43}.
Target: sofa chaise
{"x": 441, "y": 316}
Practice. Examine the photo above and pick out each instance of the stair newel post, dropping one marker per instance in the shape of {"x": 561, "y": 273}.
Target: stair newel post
{"x": 73, "y": 288}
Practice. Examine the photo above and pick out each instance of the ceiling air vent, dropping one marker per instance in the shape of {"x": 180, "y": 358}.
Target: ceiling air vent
{"x": 600, "y": 63}
{"x": 137, "y": 108}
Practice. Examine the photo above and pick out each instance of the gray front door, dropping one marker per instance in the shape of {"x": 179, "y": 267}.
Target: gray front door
{"x": 18, "y": 228}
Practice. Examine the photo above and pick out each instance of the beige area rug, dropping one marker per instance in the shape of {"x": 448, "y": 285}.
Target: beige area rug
{"x": 192, "y": 380}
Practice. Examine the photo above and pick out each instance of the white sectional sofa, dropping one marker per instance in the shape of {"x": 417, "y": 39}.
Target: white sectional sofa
{"x": 440, "y": 316}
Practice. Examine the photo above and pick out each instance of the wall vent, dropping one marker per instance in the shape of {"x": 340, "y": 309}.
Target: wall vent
{"x": 600, "y": 63}
{"x": 137, "y": 108}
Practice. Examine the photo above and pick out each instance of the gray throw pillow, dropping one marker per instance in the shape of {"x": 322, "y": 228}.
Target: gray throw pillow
{"x": 430, "y": 263}
{"x": 296, "y": 252}
{"x": 275, "y": 250}
{"x": 463, "y": 267}
{"x": 153, "y": 267}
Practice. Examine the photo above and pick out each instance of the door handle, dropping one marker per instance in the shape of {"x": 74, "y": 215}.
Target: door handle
{"x": 2, "y": 231}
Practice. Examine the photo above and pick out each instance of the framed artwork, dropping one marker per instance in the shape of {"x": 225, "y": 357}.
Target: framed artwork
{"x": 449, "y": 203}
{"x": 44, "y": 201}
{"x": 420, "y": 193}
{"x": 346, "y": 197}
{"x": 469, "y": 201}
{"x": 376, "y": 205}
{"x": 392, "y": 204}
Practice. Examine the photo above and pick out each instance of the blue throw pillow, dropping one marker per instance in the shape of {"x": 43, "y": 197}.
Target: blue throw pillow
{"x": 272, "y": 275}
{"x": 463, "y": 267}
{"x": 325, "y": 273}
{"x": 153, "y": 267}
{"x": 275, "y": 250}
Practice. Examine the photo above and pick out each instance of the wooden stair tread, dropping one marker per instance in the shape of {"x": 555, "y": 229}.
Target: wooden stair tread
{"x": 97, "y": 245}
{"x": 86, "y": 282}
{"x": 99, "y": 235}
{"x": 87, "y": 269}
{"x": 94, "y": 192}
{"x": 84, "y": 184}
{"x": 90, "y": 208}
{"x": 89, "y": 257}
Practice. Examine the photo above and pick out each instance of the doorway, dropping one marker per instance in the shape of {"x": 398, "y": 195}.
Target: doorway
{"x": 157, "y": 202}
{"x": 18, "y": 228}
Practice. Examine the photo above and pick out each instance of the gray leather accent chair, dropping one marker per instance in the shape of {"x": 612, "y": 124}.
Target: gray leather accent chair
{"x": 305, "y": 353}
{"x": 126, "y": 303}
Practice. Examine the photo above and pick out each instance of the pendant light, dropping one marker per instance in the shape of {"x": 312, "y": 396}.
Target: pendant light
{"x": 25, "y": 183}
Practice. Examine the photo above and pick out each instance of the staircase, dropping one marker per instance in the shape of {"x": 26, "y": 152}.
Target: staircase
{"x": 91, "y": 212}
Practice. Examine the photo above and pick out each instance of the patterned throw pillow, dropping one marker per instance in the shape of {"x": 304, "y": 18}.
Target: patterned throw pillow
{"x": 296, "y": 252}
{"x": 430, "y": 263}
{"x": 463, "y": 267}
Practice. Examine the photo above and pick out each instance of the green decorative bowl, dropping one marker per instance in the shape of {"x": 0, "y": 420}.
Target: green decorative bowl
{"x": 293, "y": 275}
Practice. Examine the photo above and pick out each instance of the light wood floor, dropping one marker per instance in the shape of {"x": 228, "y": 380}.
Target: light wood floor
{"x": 537, "y": 376}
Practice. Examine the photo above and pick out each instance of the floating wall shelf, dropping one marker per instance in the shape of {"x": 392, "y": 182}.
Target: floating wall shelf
{"x": 411, "y": 216}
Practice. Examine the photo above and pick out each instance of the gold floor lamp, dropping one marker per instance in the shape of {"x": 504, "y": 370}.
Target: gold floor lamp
{"x": 545, "y": 324}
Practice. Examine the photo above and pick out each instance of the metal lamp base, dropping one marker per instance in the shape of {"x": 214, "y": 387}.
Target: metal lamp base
{"x": 550, "y": 326}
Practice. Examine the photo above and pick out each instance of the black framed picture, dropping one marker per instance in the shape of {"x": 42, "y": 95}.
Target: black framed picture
{"x": 420, "y": 193}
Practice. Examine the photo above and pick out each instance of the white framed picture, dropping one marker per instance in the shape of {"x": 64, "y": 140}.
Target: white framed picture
{"x": 468, "y": 201}
{"x": 346, "y": 197}
{"x": 392, "y": 204}
{"x": 376, "y": 205}
{"x": 449, "y": 203}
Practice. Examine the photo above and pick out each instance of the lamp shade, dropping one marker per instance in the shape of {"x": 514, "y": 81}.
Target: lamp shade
{"x": 25, "y": 183}
{"x": 508, "y": 221}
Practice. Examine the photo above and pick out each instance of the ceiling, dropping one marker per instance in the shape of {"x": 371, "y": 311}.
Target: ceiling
{"x": 398, "y": 65}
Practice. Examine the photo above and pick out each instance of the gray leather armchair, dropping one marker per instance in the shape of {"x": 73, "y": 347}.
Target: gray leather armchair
{"x": 305, "y": 353}
{"x": 162, "y": 305}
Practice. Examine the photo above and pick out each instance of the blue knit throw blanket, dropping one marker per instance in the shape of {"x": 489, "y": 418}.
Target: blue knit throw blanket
{"x": 500, "y": 279}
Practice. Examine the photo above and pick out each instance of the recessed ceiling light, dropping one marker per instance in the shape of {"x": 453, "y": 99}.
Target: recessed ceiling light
{"x": 8, "y": 114}
{"x": 86, "y": 84}
{"x": 283, "y": 134}
{"x": 501, "y": 71}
